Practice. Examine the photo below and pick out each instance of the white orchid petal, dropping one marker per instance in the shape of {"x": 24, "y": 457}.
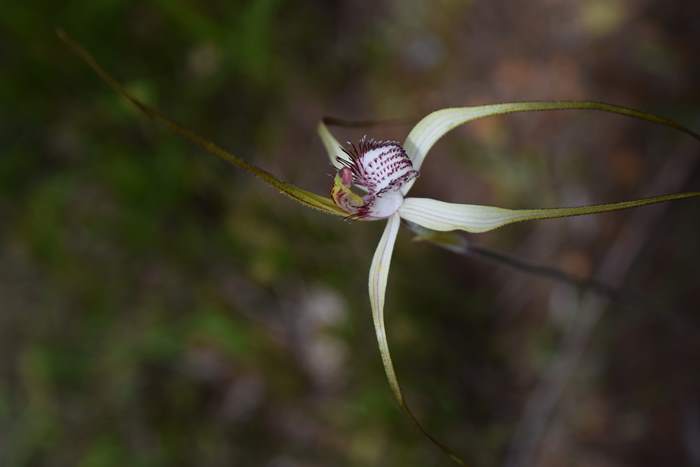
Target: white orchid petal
{"x": 434, "y": 126}
{"x": 333, "y": 148}
{"x": 443, "y": 217}
{"x": 378, "y": 274}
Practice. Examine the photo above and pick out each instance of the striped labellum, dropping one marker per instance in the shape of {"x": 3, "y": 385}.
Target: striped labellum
{"x": 379, "y": 169}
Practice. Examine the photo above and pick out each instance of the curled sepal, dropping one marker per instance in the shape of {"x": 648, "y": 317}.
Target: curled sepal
{"x": 378, "y": 274}
{"x": 444, "y": 217}
{"x": 300, "y": 195}
{"x": 434, "y": 126}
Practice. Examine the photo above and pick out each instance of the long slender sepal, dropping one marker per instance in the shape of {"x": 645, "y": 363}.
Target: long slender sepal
{"x": 300, "y": 195}
{"x": 474, "y": 218}
{"x": 333, "y": 148}
{"x": 378, "y": 275}
{"x": 434, "y": 126}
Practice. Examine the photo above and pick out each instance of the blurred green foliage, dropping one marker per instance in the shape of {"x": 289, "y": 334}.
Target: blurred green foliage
{"x": 159, "y": 308}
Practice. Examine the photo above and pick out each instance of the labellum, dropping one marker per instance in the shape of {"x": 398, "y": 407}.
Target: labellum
{"x": 378, "y": 168}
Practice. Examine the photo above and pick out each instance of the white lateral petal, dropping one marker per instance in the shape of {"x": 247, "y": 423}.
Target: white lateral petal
{"x": 443, "y": 217}
{"x": 378, "y": 274}
{"x": 333, "y": 148}
{"x": 434, "y": 126}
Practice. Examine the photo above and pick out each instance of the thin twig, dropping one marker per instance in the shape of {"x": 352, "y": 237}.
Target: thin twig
{"x": 548, "y": 272}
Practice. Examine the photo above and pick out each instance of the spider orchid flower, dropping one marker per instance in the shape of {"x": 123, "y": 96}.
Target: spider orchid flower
{"x": 374, "y": 176}
{"x": 384, "y": 172}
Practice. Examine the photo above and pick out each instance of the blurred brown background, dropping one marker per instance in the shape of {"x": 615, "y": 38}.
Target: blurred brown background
{"x": 161, "y": 308}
